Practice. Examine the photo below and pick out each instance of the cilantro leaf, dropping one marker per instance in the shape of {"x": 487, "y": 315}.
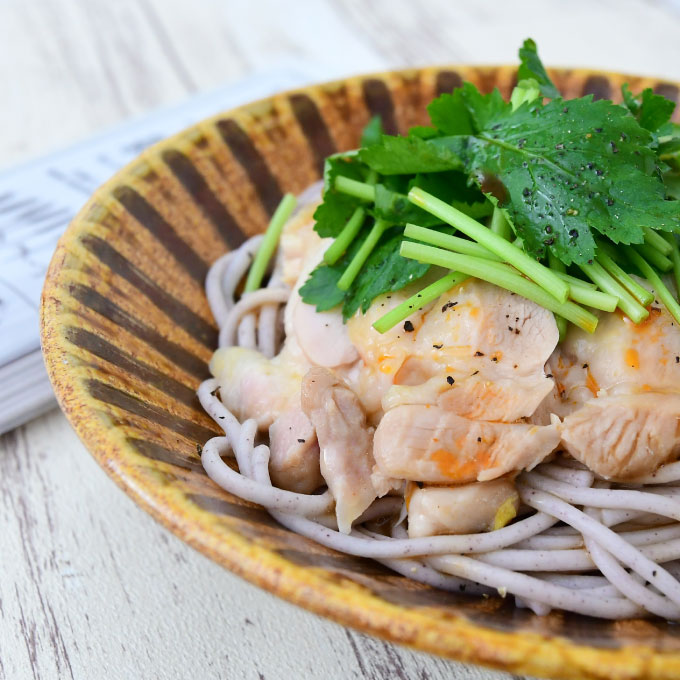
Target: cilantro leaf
{"x": 384, "y": 271}
{"x": 483, "y": 109}
{"x": 345, "y": 164}
{"x": 372, "y": 132}
{"x": 669, "y": 154}
{"x": 407, "y": 155}
{"x": 532, "y": 67}
{"x": 630, "y": 101}
{"x": 449, "y": 114}
{"x": 423, "y": 131}
{"x": 652, "y": 111}
{"x": 526, "y": 91}
{"x": 567, "y": 168}
{"x": 321, "y": 288}
{"x": 332, "y": 215}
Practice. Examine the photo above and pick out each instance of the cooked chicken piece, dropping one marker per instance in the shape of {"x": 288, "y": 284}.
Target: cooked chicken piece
{"x": 429, "y": 444}
{"x": 472, "y": 343}
{"x": 345, "y": 441}
{"x": 257, "y": 387}
{"x": 321, "y": 336}
{"x": 620, "y": 394}
{"x": 624, "y": 436}
{"x": 466, "y": 509}
{"x": 264, "y": 389}
{"x": 294, "y": 453}
{"x": 550, "y": 406}
{"x": 474, "y": 397}
{"x": 619, "y": 355}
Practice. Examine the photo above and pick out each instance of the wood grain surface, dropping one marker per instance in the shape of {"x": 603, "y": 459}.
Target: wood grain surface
{"x": 91, "y": 587}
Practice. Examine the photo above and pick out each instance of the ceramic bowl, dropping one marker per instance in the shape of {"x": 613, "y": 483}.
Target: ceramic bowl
{"x": 127, "y": 334}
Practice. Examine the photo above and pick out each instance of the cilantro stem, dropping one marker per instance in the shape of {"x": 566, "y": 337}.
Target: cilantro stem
{"x": 675, "y": 258}
{"x": 572, "y": 280}
{"x": 593, "y": 298}
{"x": 558, "y": 267}
{"x": 605, "y": 259}
{"x": 269, "y": 242}
{"x": 500, "y": 275}
{"x": 653, "y": 256}
{"x": 656, "y": 240}
{"x": 349, "y": 231}
{"x": 658, "y": 285}
{"x": 465, "y": 247}
{"x": 417, "y": 301}
{"x": 562, "y": 326}
{"x": 360, "y": 258}
{"x": 353, "y": 187}
{"x": 336, "y": 249}
{"x": 541, "y": 275}
{"x": 455, "y": 243}
{"x": 500, "y": 225}
{"x": 627, "y": 304}
{"x": 583, "y": 292}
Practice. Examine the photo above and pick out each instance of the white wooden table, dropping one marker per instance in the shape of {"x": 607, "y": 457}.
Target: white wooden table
{"x": 90, "y": 586}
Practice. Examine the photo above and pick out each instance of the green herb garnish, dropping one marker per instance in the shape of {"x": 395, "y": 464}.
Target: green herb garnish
{"x": 560, "y": 183}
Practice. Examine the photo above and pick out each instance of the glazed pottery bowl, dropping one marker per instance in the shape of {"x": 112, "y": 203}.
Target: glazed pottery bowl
{"x": 127, "y": 334}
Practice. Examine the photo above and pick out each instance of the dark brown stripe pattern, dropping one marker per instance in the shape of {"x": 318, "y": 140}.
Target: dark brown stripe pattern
{"x": 154, "y": 451}
{"x": 110, "y": 310}
{"x": 598, "y": 86}
{"x": 250, "y": 159}
{"x": 105, "y": 350}
{"x": 185, "y": 318}
{"x": 320, "y": 141}
{"x": 337, "y": 562}
{"x": 447, "y": 82}
{"x": 152, "y": 220}
{"x": 669, "y": 91}
{"x": 211, "y": 206}
{"x": 144, "y": 409}
{"x": 220, "y": 506}
{"x": 379, "y": 102}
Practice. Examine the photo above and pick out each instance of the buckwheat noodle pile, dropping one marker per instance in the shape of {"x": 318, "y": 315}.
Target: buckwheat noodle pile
{"x": 582, "y": 544}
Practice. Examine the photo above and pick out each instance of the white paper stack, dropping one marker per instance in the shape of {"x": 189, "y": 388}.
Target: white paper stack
{"x": 37, "y": 201}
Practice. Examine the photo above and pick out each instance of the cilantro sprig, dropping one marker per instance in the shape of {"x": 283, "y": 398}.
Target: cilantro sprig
{"x": 563, "y": 183}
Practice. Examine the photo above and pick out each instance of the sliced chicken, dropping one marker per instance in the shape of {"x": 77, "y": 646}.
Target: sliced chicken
{"x": 294, "y": 453}
{"x": 345, "y": 441}
{"x": 322, "y": 337}
{"x": 429, "y": 444}
{"x": 624, "y": 436}
{"x": 473, "y": 343}
{"x": 265, "y": 389}
{"x": 620, "y": 356}
{"x": 619, "y": 394}
{"x": 466, "y": 509}
{"x": 257, "y": 387}
{"x": 474, "y": 396}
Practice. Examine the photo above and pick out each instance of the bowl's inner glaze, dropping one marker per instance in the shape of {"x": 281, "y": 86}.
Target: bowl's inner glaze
{"x": 128, "y": 334}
